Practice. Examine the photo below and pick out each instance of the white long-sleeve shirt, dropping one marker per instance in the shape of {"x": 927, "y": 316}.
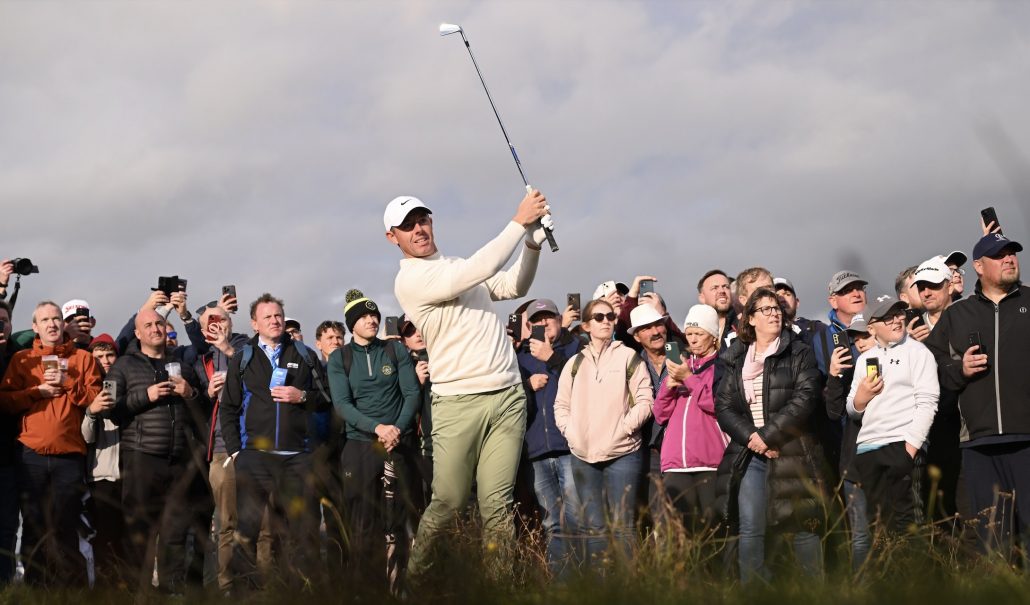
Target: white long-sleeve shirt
{"x": 450, "y": 300}
{"x": 904, "y": 409}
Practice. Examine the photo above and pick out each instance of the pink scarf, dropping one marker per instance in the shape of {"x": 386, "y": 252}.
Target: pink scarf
{"x": 754, "y": 365}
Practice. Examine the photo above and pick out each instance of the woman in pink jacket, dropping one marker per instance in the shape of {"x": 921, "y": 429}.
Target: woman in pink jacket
{"x": 694, "y": 444}
{"x": 604, "y": 397}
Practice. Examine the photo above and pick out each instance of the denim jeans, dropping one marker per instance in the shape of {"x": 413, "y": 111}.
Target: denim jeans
{"x": 753, "y": 503}
{"x": 858, "y": 519}
{"x": 607, "y": 491}
{"x": 556, "y": 494}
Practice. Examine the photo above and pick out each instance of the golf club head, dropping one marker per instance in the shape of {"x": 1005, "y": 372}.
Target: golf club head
{"x": 447, "y": 29}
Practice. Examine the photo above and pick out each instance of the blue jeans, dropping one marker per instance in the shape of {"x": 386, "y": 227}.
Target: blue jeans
{"x": 556, "y": 494}
{"x": 858, "y": 519}
{"x": 607, "y": 490}
{"x": 753, "y": 503}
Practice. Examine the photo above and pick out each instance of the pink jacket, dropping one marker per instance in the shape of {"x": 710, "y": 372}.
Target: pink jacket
{"x": 692, "y": 435}
{"x": 593, "y": 411}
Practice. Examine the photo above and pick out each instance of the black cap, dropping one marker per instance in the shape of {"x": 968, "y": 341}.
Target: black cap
{"x": 993, "y": 243}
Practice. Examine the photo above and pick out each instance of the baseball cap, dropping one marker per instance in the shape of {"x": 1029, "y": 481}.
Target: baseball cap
{"x": 399, "y": 208}
{"x": 291, "y": 323}
{"x": 783, "y": 282}
{"x": 991, "y": 244}
{"x": 69, "y": 308}
{"x": 642, "y": 316}
{"x": 956, "y": 257}
{"x": 542, "y": 305}
{"x": 880, "y": 306}
{"x": 932, "y": 271}
{"x": 606, "y": 288}
{"x": 858, "y": 324}
{"x": 841, "y": 279}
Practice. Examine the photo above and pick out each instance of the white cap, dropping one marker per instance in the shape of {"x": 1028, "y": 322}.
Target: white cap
{"x": 932, "y": 271}
{"x": 399, "y": 208}
{"x": 704, "y": 317}
{"x": 643, "y": 315}
{"x": 69, "y": 308}
{"x": 606, "y": 288}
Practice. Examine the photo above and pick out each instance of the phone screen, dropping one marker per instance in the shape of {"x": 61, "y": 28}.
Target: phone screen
{"x": 646, "y": 287}
{"x": 872, "y": 367}
{"x": 538, "y": 333}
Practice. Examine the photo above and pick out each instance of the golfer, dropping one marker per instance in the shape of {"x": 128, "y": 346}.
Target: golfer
{"x": 479, "y": 406}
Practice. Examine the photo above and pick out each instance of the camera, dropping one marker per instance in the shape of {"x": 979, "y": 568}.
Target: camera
{"x": 24, "y": 266}
{"x": 170, "y": 285}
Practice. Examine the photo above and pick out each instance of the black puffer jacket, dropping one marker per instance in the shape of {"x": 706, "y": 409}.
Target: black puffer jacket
{"x": 791, "y": 392}
{"x": 157, "y": 428}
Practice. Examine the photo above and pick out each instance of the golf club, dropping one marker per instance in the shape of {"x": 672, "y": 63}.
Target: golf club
{"x": 447, "y": 29}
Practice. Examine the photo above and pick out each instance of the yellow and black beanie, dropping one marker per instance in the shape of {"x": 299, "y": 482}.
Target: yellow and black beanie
{"x": 357, "y": 307}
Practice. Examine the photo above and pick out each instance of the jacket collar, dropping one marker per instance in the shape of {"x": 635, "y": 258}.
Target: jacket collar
{"x": 65, "y": 348}
{"x": 978, "y": 290}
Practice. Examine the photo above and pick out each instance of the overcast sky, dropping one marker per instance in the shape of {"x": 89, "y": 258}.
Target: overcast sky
{"x": 257, "y": 143}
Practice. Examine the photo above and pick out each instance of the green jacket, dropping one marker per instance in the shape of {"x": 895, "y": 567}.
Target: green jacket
{"x": 377, "y": 391}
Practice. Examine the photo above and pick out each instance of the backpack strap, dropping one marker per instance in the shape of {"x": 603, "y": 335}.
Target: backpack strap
{"x": 248, "y": 354}
{"x": 631, "y": 368}
{"x": 348, "y": 360}
{"x": 578, "y": 361}
{"x": 316, "y": 368}
{"x": 391, "y": 352}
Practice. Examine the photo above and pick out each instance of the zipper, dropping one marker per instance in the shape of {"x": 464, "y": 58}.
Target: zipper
{"x": 683, "y": 432}
{"x": 997, "y": 359}
{"x": 368, "y": 359}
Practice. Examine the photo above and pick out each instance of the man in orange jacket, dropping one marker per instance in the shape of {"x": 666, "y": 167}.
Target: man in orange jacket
{"x": 49, "y": 387}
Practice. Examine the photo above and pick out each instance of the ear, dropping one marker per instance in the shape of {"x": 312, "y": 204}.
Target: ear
{"x": 833, "y": 301}
{"x": 390, "y": 237}
{"x": 136, "y": 332}
{"x": 978, "y": 266}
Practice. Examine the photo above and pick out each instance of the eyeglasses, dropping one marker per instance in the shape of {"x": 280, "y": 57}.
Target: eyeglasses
{"x": 957, "y": 273}
{"x": 210, "y": 305}
{"x": 599, "y": 317}
{"x": 173, "y": 335}
{"x": 768, "y": 311}
{"x": 889, "y": 319}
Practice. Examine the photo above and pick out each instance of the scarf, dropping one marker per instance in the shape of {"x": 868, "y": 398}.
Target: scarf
{"x": 754, "y": 365}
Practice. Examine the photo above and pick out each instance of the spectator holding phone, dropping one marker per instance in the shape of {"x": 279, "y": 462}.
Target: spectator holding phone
{"x": 895, "y": 395}
{"x": 412, "y": 338}
{"x": 154, "y": 391}
{"x": 603, "y": 400}
{"x": 773, "y": 465}
{"x": 990, "y": 330}
{"x": 954, "y": 261}
{"x": 643, "y": 292}
{"x": 49, "y": 386}
{"x": 273, "y": 388}
{"x": 693, "y": 444}
{"x": 78, "y": 322}
{"x": 541, "y": 359}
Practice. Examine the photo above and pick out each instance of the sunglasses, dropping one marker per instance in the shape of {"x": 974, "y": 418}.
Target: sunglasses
{"x": 610, "y": 316}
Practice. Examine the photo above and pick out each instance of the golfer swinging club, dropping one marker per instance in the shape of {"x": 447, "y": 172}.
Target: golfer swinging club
{"x": 479, "y": 406}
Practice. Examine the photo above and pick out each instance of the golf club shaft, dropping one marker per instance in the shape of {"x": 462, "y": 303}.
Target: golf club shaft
{"x": 515, "y": 156}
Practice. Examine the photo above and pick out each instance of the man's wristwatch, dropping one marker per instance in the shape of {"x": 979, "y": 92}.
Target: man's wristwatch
{"x": 303, "y": 397}
{"x": 187, "y": 317}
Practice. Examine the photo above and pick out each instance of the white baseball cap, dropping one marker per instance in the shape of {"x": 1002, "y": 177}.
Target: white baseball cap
{"x": 399, "y": 208}
{"x": 932, "y": 271}
{"x": 69, "y": 308}
{"x": 606, "y": 288}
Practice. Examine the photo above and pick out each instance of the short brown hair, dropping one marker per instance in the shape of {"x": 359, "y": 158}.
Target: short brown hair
{"x": 46, "y": 303}
{"x": 264, "y": 298}
{"x": 704, "y": 278}
{"x": 745, "y": 331}
{"x": 327, "y": 325}
{"x": 899, "y": 281}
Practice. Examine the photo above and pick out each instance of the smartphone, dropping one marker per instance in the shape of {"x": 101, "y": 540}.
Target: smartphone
{"x": 515, "y": 326}
{"x": 840, "y": 340}
{"x": 990, "y": 216}
{"x": 278, "y": 378}
{"x": 230, "y": 290}
{"x": 82, "y": 312}
{"x": 111, "y": 387}
{"x": 160, "y": 375}
{"x": 646, "y": 287}
{"x": 911, "y": 314}
{"x": 672, "y": 352}
{"x": 872, "y": 367}
{"x": 422, "y": 355}
{"x": 574, "y": 301}
{"x": 974, "y": 339}
{"x": 391, "y": 325}
{"x": 538, "y": 334}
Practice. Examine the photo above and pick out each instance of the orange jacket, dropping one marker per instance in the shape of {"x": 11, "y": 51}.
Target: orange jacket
{"x": 50, "y": 425}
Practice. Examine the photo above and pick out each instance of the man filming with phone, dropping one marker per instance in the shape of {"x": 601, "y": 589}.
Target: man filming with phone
{"x": 981, "y": 344}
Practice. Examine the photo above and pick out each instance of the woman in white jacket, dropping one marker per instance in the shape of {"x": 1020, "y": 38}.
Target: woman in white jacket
{"x": 604, "y": 397}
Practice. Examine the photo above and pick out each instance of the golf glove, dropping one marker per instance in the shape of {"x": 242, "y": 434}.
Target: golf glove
{"x": 538, "y": 234}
